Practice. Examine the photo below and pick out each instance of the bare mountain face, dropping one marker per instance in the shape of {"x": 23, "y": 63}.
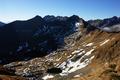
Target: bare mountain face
{"x": 76, "y": 49}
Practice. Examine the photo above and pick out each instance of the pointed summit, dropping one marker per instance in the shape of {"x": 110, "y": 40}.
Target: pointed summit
{"x": 36, "y": 18}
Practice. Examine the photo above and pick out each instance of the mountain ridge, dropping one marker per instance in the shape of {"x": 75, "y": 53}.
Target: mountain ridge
{"x": 35, "y": 32}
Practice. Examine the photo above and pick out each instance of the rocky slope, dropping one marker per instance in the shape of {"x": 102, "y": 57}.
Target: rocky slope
{"x": 89, "y": 53}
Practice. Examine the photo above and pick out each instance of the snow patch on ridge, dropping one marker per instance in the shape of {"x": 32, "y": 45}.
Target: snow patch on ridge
{"x": 47, "y": 77}
{"x": 105, "y": 42}
{"x": 77, "y": 76}
{"x": 90, "y": 44}
{"x": 75, "y": 63}
{"x": 89, "y": 52}
{"x": 78, "y": 51}
{"x": 77, "y": 25}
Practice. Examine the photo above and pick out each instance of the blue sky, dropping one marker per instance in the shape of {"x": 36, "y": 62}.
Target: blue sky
{"x": 11, "y": 10}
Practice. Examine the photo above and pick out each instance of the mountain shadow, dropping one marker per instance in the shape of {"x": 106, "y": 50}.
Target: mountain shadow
{"x": 36, "y": 37}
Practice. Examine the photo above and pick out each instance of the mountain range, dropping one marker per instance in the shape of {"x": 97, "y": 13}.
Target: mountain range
{"x": 60, "y": 48}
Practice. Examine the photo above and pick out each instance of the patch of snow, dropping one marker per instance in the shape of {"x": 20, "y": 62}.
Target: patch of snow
{"x": 47, "y": 77}
{"x": 105, "y": 42}
{"x": 81, "y": 52}
{"x": 77, "y": 51}
{"x": 77, "y": 25}
{"x": 63, "y": 65}
{"x": 92, "y": 57}
{"x": 71, "y": 66}
{"x": 89, "y": 52}
{"x": 90, "y": 44}
{"x": 77, "y": 76}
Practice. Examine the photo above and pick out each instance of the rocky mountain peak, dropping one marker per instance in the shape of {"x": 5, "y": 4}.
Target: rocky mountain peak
{"x": 37, "y": 18}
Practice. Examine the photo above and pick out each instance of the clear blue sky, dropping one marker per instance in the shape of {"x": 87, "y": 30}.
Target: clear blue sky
{"x": 11, "y": 10}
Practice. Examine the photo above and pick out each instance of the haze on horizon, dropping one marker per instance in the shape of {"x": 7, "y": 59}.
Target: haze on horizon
{"x": 11, "y": 10}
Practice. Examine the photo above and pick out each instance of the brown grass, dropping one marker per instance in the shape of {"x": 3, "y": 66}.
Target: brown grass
{"x": 110, "y": 50}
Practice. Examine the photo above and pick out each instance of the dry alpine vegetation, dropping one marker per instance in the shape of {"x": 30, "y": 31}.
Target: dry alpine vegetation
{"x": 87, "y": 55}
